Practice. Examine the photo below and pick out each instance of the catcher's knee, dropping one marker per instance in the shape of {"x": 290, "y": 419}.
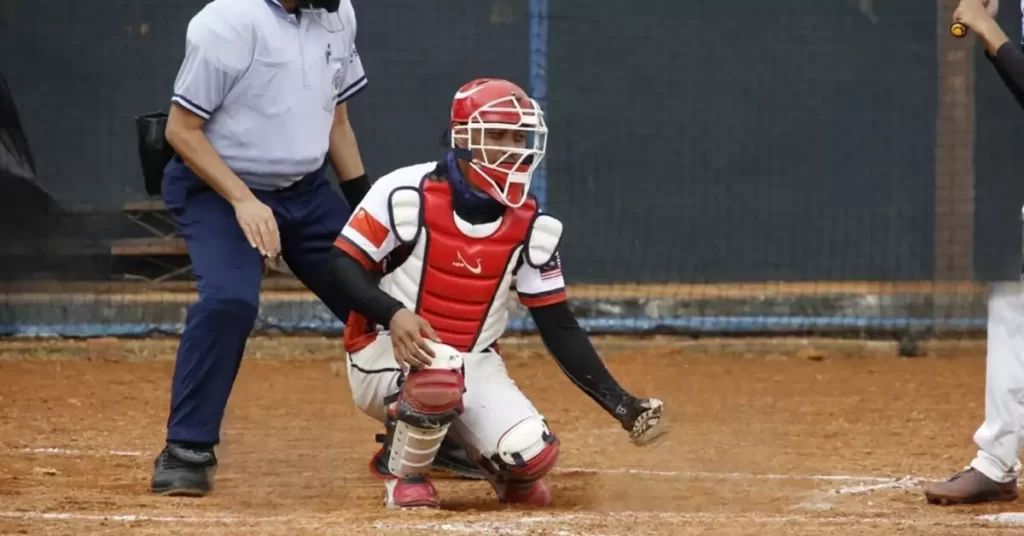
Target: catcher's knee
{"x": 526, "y": 452}
{"x": 433, "y": 393}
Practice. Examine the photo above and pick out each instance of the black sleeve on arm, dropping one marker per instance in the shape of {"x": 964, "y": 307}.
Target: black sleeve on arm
{"x": 1009, "y": 63}
{"x": 365, "y": 297}
{"x": 355, "y": 189}
{"x": 571, "y": 348}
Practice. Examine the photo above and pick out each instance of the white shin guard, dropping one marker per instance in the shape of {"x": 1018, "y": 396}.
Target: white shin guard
{"x": 424, "y": 409}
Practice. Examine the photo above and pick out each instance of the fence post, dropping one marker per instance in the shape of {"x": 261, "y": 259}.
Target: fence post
{"x": 538, "y": 85}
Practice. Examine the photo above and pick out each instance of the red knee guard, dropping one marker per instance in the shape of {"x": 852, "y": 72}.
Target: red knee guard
{"x": 526, "y": 452}
{"x": 536, "y": 467}
{"x": 431, "y": 393}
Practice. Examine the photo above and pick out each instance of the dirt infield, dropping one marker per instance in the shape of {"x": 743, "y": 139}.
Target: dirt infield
{"x": 767, "y": 438}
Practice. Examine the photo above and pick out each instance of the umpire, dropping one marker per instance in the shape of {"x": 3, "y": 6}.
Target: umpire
{"x": 259, "y": 101}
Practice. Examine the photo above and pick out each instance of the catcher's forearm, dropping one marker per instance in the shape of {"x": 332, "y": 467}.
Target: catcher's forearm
{"x": 571, "y": 348}
{"x": 365, "y": 297}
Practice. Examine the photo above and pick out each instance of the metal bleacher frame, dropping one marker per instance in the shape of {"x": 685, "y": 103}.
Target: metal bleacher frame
{"x": 163, "y": 241}
{"x": 152, "y": 216}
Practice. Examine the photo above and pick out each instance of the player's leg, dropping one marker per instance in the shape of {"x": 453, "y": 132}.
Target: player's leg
{"x": 315, "y": 216}
{"x": 416, "y": 408}
{"x": 228, "y": 271}
{"x": 504, "y": 433}
{"x": 993, "y": 473}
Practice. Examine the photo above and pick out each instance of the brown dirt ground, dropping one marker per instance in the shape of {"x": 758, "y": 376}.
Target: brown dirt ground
{"x": 762, "y": 433}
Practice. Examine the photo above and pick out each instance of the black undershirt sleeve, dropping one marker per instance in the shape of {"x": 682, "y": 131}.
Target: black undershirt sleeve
{"x": 1009, "y": 63}
{"x": 572, "y": 349}
{"x": 365, "y": 296}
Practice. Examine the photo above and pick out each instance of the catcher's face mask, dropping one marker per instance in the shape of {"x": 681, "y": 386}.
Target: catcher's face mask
{"x": 329, "y": 6}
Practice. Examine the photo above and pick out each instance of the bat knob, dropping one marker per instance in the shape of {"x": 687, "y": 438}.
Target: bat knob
{"x": 958, "y": 29}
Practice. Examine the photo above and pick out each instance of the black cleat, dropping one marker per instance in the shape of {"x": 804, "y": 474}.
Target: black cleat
{"x": 183, "y": 472}
{"x": 452, "y": 457}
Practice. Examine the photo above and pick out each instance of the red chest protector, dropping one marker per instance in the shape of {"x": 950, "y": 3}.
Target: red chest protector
{"x": 461, "y": 274}
{"x": 454, "y": 279}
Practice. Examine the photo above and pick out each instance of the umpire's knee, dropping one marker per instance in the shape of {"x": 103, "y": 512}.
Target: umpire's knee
{"x": 232, "y": 309}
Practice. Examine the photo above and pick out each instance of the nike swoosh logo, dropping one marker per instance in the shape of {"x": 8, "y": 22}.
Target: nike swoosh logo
{"x": 472, "y": 269}
{"x": 464, "y": 94}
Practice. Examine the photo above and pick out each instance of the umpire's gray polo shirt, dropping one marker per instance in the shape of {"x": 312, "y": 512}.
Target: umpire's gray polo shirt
{"x": 267, "y": 82}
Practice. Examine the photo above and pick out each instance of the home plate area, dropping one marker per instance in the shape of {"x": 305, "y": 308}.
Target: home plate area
{"x": 757, "y": 445}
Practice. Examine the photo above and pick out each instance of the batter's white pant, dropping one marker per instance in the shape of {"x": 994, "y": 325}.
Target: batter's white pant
{"x": 493, "y": 403}
{"x": 1000, "y": 437}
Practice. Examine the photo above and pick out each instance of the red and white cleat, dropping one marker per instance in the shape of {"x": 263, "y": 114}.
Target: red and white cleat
{"x": 412, "y": 492}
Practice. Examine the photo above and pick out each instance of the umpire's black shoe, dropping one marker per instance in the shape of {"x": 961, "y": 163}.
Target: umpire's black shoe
{"x": 183, "y": 472}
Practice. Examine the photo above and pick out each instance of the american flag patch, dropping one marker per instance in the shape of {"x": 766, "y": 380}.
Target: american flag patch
{"x": 551, "y": 270}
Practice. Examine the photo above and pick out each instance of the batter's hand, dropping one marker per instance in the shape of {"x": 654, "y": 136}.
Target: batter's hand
{"x": 642, "y": 420}
{"x": 260, "y": 226}
{"x": 975, "y": 13}
{"x": 407, "y": 331}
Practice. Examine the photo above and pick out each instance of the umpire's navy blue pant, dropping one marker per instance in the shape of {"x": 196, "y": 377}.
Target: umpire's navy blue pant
{"x": 229, "y": 271}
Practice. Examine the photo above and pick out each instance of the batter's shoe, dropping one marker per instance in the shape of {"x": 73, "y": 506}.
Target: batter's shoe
{"x": 969, "y": 487}
{"x": 535, "y": 493}
{"x": 183, "y": 472}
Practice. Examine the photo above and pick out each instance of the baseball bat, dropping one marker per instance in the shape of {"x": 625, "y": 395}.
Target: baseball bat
{"x": 958, "y": 29}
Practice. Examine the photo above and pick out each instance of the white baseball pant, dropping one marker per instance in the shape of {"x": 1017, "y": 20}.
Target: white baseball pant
{"x": 999, "y": 438}
{"x": 493, "y": 403}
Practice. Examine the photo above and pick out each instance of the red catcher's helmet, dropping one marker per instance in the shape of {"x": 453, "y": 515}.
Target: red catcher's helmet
{"x": 504, "y": 173}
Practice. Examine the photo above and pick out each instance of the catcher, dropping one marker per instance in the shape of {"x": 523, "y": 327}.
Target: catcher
{"x": 428, "y": 260}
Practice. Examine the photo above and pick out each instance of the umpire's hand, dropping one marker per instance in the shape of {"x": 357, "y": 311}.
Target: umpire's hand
{"x": 259, "y": 225}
